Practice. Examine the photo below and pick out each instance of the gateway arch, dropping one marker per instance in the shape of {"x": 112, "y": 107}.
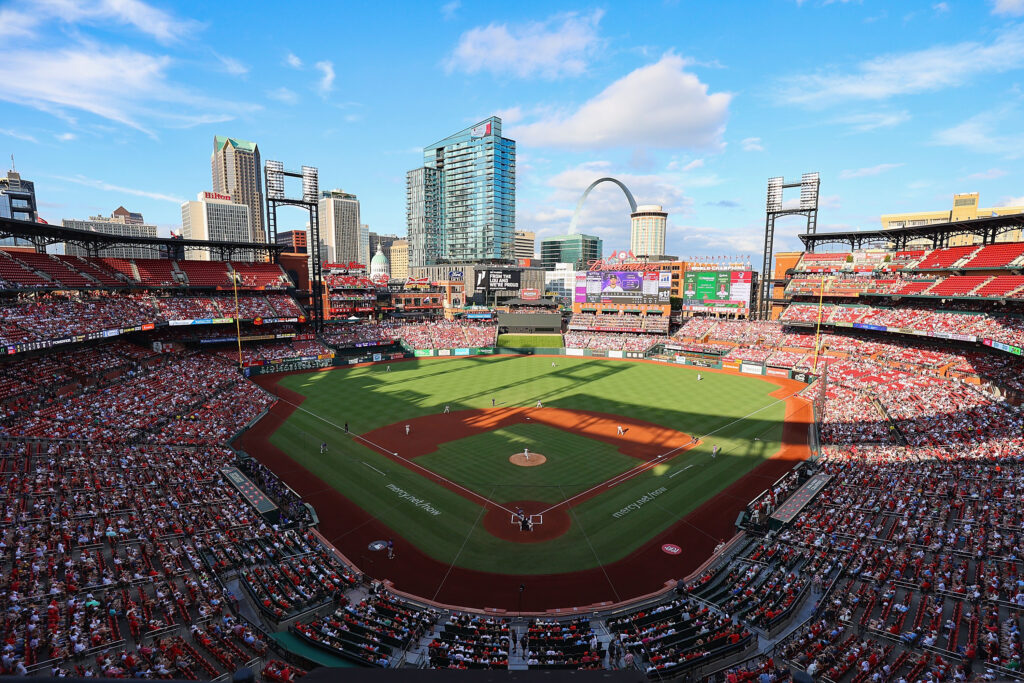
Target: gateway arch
{"x": 579, "y": 204}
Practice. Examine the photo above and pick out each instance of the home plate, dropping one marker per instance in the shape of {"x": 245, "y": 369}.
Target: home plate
{"x": 523, "y": 460}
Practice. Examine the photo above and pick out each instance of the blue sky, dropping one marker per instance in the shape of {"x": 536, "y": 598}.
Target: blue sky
{"x": 692, "y": 104}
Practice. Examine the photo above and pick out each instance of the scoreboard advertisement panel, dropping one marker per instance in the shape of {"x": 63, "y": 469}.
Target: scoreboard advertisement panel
{"x": 717, "y": 290}
{"x": 625, "y": 287}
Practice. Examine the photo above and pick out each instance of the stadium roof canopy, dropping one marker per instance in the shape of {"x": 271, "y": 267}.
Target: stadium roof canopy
{"x": 988, "y": 228}
{"x": 42, "y": 235}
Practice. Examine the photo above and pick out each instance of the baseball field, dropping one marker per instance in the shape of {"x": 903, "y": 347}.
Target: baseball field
{"x": 606, "y": 461}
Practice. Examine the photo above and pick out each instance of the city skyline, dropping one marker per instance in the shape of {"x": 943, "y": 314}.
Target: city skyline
{"x": 692, "y": 119}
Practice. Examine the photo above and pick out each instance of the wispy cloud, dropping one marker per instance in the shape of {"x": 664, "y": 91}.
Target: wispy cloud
{"x": 941, "y": 7}
{"x": 1011, "y": 201}
{"x": 929, "y": 70}
{"x": 108, "y": 187}
{"x": 16, "y": 135}
{"x": 865, "y": 172}
{"x": 231, "y": 65}
{"x": 868, "y": 121}
{"x": 65, "y": 137}
{"x": 657, "y": 106}
{"x": 1013, "y": 8}
{"x": 981, "y": 134}
{"x": 449, "y": 9}
{"x": 990, "y": 174}
{"x": 326, "y": 83}
{"x": 22, "y": 18}
{"x": 752, "y": 145}
{"x": 94, "y": 79}
{"x": 559, "y": 46}
{"x": 293, "y": 61}
{"x": 283, "y": 95}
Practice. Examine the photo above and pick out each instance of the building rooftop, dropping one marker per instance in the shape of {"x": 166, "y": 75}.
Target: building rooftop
{"x": 220, "y": 141}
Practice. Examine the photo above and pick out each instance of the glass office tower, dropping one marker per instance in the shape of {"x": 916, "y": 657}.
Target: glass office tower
{"x": 461, "y": 205}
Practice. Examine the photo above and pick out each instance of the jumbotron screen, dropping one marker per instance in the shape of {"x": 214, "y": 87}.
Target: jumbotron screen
{"x": 717, "y": 290}
{"x": 625, "y": 287}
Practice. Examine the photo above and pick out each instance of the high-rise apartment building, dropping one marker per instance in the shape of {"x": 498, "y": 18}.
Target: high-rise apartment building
{"x": 399, "y": 259}
{"x": 524, "y": 244}
{"x": 122, "y": 223}
{"x": 340, "y": 227}
{"x": 236, "y": 169}
{"x": 295, "y": 240}
{"x": 647, "y": 236}
{"x": 17, "y": 198}
{"x": 577, "y": 249}
{"x": 214, "y": 217}
{"x": 461, "y": 204}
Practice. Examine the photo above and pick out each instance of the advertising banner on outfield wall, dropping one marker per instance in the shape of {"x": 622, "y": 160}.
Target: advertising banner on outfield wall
{"x": 420, "y": 353}
{"x": 751, "y": 369}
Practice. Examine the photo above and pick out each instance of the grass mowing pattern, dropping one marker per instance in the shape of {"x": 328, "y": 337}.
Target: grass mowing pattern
{"x": 574, "y": 463}
{"x": 527, "y": 341}
{"x": 368, "y": 397}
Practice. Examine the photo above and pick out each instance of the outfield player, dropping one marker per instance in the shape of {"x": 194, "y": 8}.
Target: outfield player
{"x": 539, "y": 404}
{"x": 714, "y": 450}
{"x": 447, "y": 409}
{"x": 323, "y": 448}
{"x": 699, "y": 378}
{"x": 407, "y": 428}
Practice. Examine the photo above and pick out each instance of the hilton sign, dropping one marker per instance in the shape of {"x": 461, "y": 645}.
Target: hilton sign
{"x": 217, "y": 195}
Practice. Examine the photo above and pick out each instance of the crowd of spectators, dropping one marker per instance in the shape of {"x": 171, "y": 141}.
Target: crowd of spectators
{"x": 446, "y": 334}
{"x": 611, "y": 341}
{"x": 357, "y": 334}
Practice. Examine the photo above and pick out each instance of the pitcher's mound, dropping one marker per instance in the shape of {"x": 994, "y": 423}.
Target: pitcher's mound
{"x": 535, "y": 459}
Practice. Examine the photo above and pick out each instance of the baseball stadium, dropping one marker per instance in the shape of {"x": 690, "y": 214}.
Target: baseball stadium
{"x": 209, "y": 465}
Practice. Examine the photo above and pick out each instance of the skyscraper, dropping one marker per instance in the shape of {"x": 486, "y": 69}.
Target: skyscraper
{"x": 461, "y": 204}
{"x": 647, "y": 237}
{"x": 525, "y": 244}
{"x": 577, "y": 249}
{"x": 399, "y": 259}
{"x": 123, "y": 223}
{"x": 340, "y": 227}
{"x": 214, "y": 217}
{"x": 236, "y": 167}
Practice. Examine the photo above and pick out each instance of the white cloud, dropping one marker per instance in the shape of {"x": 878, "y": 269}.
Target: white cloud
{"x": 941, "y": 7}
{"x": 658, "y": 106}
{"x": 928, "y": 70}
{"x": 449, "y": 9}
{"x": 990, "y": 174}
{"x": 1014, "y": 8}
{"x": 696, "y": 163}
{"x": 16, "y": 135}
{"x": 979, "y": 134}
{"x": 752, "y": 145}
{"x": 1012, "y": 201}
{"x": 865, "y": 172}
{"x": 94, "y": 79}
{"x": 232, "y": 65}
{"x": 108, "y": 187}
{"x": 508, "y": 116}
{"x": 326, "y": 83}
{"x": 65, "y": 137}
{"x": 561, "y": 45}
{"x": 283, "y": 95}
{"x": 145, "y": 18}
{"x": 862, "y": 123}
{"x": 293, "y": 61}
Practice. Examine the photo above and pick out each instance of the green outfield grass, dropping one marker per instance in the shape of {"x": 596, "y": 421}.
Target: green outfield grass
{"x": 526, "y": 341}
{"x": 735, "y": 410}
{"x": 574, "y": 463}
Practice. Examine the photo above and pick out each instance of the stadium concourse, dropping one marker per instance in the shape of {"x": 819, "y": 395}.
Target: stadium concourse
{"x": 127, "y": 551}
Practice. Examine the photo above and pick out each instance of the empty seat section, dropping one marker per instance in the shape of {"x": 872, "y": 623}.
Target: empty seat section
{"x": 957, "y": 285}
{"x": 17, "y": 273}
{"x": 92, "y": 269}
{"x": 120, "y": 265}
{"x": 945, "y": 258}
{"x": 259, "y": 274}
{"x": 1002, "y": 285}
{"x": 156, "y": 272}
{"x": 205, "y": 273}
{"x": 996, "y": 255}
{"x": 59, "y": 272}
